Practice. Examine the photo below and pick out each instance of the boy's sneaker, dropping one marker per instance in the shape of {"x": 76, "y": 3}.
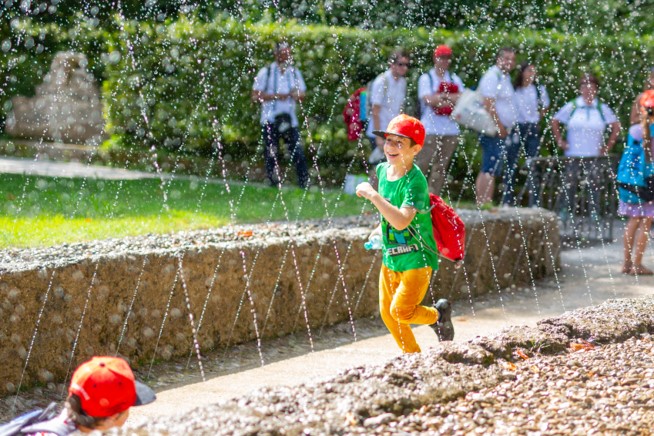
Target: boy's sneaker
{"x": 443, "y": 327}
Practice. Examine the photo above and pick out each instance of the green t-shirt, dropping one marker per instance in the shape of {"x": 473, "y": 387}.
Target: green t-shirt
{"x": 405, "y": 250}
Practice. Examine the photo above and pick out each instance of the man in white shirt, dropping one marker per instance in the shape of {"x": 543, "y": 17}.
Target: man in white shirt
{"x": 277, "y": 88}
{"x": 497, "y": 90}
{"x": 387, "y": 95}
{"x": 585, "y": 119}
{"x": 438, "y": 91}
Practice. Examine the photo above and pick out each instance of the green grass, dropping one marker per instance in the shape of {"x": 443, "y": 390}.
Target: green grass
{"x": 43, "y": 211}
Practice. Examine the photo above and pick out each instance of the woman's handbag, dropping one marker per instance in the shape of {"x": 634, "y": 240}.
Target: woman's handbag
{"x": 470, "y": 112}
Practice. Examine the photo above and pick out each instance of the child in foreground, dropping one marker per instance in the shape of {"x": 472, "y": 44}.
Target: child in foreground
{"x": 408, "y": 247}
{"x": 100, "y": 394}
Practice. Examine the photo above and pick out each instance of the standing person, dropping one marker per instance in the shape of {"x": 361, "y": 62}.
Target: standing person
{"x": 497, "y": 90}
{"x": 100, "y": 394}
{"x": 585, "y": 119}
{"x": 635, "y": 167}
{"x": 438, "y": 91}
{"x": 408, "y": 246}
{"x": 277, "y": 88}
{"x": 387, "y": 95}
{"x": 532, "y": 102}
{"x": 634, "y": 118}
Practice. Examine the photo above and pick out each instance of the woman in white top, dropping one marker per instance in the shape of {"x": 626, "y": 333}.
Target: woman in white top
{"x": 585, "y": 120}
{"x": 532, "y": 102}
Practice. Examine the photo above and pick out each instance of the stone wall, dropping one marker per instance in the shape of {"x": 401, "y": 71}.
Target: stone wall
{"x": 155, "y": 297}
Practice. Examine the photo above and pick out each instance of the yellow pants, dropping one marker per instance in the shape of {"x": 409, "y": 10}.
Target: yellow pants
{"x": 400, "y": 295}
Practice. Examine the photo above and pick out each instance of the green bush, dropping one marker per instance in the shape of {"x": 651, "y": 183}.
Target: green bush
{"x": 184, "y": 86}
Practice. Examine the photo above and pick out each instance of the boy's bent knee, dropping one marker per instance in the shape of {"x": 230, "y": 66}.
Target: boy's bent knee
{"x": 402, "y": 313}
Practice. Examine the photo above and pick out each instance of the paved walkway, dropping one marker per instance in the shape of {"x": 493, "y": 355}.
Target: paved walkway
{"x": 588, "y": 277}
{"x": 68, "y": 169}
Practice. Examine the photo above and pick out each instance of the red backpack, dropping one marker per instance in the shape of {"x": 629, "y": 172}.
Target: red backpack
{"x": 352, "y": 115}
{"x": 449, "y": 229}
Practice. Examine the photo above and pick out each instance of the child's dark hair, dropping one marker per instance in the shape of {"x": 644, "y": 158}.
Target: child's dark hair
{"x": 589, "y": 78}
{"x": 506, "y": 49}
{"x": 517, "y": 83}
{"x": 397, "y": 55}
{"x": 78, "y": 416}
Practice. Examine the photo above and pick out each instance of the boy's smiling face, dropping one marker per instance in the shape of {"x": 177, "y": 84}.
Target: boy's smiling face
{"x": 400, "y": 151}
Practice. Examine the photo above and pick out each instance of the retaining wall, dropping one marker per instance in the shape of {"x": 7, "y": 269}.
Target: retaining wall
{"x": 158, "y": 297}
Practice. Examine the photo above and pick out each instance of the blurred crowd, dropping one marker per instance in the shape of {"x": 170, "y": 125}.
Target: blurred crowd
{"x": 515, "y": 104}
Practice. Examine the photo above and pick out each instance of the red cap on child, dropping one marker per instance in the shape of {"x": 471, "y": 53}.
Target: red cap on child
{"x": 406, "y": 126}
{"x": 106, "y": 386}
{"x": 442, "y": 50}
{"x": 647, "y": 99}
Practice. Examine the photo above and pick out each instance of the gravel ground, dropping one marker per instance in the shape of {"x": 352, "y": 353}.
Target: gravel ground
{"x": 590, "y": 371}
{"x": 589, "y": 390}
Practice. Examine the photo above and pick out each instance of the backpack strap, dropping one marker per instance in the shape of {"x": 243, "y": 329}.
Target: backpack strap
{"x": 274, "y": 86}
{"x": 598, "y": 107}
{"x": 574, "y": 108}
{"x": 50, "y": 422}
{"x": 55, "y": 426}
{"x": 268, "y": 68}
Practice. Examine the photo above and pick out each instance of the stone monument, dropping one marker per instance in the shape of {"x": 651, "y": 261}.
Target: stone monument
{"x": 66, "y": 107}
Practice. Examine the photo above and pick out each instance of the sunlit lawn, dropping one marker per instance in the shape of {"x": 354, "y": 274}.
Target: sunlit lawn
{"x": 43, "y": 211}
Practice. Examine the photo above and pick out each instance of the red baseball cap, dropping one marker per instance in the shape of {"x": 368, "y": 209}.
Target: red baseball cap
{"x": 647, "y": 99}
{"x": 406, "y": 126}
{"x": 442, "y": 50}
{"x": 106, "y": 386}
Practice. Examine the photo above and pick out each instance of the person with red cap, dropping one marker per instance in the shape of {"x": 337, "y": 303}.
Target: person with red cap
{"x": 100, "y": 394}
{"x": 409, "y": 252}
{"x": 438, "y": 91}
{"x": 636, "y": 193}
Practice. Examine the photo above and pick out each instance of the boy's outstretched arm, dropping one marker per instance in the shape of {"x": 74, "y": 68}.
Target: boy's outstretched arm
{"x": 399, "y": 218}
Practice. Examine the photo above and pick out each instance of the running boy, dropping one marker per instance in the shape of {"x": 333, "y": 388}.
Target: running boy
{"x": 408, "y": 246}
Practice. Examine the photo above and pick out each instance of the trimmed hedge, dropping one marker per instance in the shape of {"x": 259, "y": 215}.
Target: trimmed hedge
{"x": 184, "y": 86}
